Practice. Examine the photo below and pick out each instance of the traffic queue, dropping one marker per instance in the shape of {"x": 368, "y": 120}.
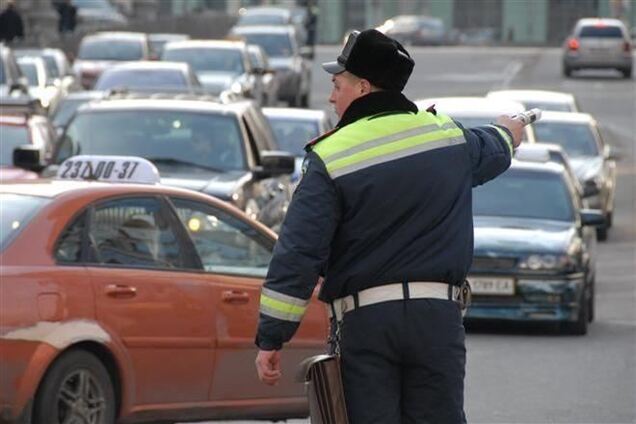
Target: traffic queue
{"x": 140, "y": 202}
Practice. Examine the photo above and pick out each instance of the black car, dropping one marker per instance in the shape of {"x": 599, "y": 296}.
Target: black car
{"x": 534, "y": 256}
{"x": 226, "y": 150}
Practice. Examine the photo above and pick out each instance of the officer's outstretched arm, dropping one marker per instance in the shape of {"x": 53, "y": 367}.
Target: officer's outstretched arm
{"x": 490, "y": 148}
{"x": 300, "y": 255}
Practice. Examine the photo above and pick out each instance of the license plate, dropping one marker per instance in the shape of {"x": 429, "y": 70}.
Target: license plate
{"x": 492, "y": 285}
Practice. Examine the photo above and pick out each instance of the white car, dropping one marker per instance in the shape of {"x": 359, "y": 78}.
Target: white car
{"x": 41, "y": 85}
{"x": 593, "y": 160}
{"x": 542, "y": 99}
{"x": 476, "y": 111}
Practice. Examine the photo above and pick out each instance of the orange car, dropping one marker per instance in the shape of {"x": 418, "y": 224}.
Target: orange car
{"x": 135, "y": 302}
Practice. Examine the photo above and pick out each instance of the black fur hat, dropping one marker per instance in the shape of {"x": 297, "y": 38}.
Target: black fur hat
{"x": 375, "y": 57}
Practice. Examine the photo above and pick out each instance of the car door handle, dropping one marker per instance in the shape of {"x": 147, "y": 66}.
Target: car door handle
{"x": 235, "y": 297}
{"x": 120, "y": 291}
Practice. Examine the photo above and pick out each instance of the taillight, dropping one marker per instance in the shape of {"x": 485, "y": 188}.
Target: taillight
{"x": 627, "y": 47}
{"x": 573, "y": 44}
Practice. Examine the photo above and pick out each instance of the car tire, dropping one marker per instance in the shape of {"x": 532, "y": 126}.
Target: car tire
{"x": 72, "y": 386}
{"x": 627, "y": 73}
{"x": 601, "y": 233}
{"x": 567, "y": 71}
{"x": 591, "y": 301}
{"x": 304, "y": 100}
{"x": 579, "y": 327}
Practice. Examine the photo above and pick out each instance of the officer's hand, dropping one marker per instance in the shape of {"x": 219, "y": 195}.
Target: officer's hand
{"x": 268, "y": 366}
{"x": 515, "y": 126}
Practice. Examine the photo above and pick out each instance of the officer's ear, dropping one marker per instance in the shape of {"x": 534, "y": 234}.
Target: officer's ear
{"x": 365, "y": 87}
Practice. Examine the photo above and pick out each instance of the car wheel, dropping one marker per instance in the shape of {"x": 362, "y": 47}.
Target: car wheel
{"x": 627, "y": 73}
{"x": 567, "y": 71}
{"x": 591, "y": 301}
{"x": 579, "y": 327}
{"x": 601, "y": 233}
{"x": 76, "y": 388}
{"x": 304, "y": 100}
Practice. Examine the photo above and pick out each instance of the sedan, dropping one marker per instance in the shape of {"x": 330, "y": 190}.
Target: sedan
{"x": 136, "y": 302}
{"x": 593, "y": 160}
{"x": 534, "y": 257}
{"x": 539, "y": 99}
{"x": 156, "y": 76}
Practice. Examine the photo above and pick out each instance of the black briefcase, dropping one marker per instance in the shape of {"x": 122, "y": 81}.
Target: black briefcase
{"x": 323, "y": 383}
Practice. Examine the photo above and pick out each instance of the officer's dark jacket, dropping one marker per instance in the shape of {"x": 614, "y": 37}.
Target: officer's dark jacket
{"x": 369, "y": 215}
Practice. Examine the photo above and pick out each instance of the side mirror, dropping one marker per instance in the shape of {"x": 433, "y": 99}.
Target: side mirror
{"x": 275, "y": 163}
{"x": 28, "y": 157}
{"x": 592, "y": 218}
{"x": 307, "y": 52}
{"x": 611, "y": 153}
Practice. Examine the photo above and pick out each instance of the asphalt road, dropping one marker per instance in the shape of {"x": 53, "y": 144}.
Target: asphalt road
{"x": 530, "y": 374}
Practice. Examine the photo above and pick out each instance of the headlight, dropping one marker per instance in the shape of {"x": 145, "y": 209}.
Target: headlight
{"x": 547, "y": 262}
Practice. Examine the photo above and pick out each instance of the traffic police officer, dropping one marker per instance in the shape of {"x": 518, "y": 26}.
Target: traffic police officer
{"x": 384, "y": 213}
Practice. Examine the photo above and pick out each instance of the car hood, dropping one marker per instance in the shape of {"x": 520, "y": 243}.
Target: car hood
{"x": 221, "y": 184}
{"x": 13, "y": 173}
{"x": 519, "y": 235}
{"x": 216, "y": 81}
{"x": 587, "y": 168}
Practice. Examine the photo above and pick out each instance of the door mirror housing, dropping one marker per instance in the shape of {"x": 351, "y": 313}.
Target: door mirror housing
{"x": 592, "y": 218}
{"x": 307, "y": 52}
{"x": 275, "y": 163}
{"x": 28, "y": 157}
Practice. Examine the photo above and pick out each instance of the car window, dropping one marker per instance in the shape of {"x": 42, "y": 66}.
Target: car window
{"x": 16, "y": 210}
{"x": 3, "y": 78}
{"x": 598, "y": 31}
{"x": 30, "y": 71}
{"x": 192, "y": 141}
{"x": 141, "y": 78}
{"x": 69, "y": 246}
{"x": 525, "y": 195}
{"x": 65, "y": 110}
{"x": 577, "y": 139}
{"x": 110, "y": 49}
{"x": 208, "y": 59}
{"x": 12, "y": 136}
{"x": 293, "y": 134}
{"x": 51, "y": 66}
{"x": 133, "y": 232}
{"x": 275, "y": 45}
{"x": 225, "y": 244}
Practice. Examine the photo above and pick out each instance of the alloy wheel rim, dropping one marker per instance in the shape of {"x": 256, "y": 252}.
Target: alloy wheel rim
{"x": 81, "y": 399}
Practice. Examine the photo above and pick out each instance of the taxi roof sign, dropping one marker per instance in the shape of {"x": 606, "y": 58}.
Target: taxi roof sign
{"x": 114, "y": 169}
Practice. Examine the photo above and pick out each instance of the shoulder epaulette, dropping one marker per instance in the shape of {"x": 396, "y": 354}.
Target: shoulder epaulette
{"x": 318, "y": 139}
{"x": 431, "y": 109}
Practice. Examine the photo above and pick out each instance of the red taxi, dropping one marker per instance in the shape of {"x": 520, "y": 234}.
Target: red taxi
{"x": 135, "y": 303}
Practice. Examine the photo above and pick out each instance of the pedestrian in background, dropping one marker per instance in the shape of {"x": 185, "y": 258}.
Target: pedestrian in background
{"x": 384, "y": 212}
{"x": 11, "y": 25}
{"x": 67, "y": 17}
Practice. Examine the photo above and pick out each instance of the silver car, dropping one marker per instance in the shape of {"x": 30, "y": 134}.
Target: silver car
{"x": 598, "y": 43}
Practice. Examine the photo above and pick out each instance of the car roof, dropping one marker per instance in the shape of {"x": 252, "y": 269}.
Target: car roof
{"x": 192, "y": 105}
{"x": 291, "y": 112}
{"x": 160, "y": 36}
{"x": 569, "y": 117}
{"x": 265, "y": 10}
{"x": 524, "y": 95}
{"x": 471, "y": 106}
{"x": 599, "y": 21}
{"x": 121, "y": 35}
{"x": 217, "y": 44}
{"x": 87, "y": 94}
{"x": 260, "y": 29}
{"x": 545, "y": 167}
{"x": 151, "y": 65}
{"x": 551, "y": 147}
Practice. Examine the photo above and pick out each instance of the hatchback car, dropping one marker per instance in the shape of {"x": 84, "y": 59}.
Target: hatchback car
{"x": 539, "y": 99}
{"x": 598, "y": 43}
{"x": 98, "y": 52}
{"x": 593, "y": 160}
{"x": 135, "y": 302}
{"x": 150, "y": 75}
{"x": 226, "y": 150}
{"x": 476, "y": 111}
{"x": 293, "y": 70}
{"x": 534, "y": 257}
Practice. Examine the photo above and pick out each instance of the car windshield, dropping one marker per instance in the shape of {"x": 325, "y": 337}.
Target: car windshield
{"x": 206, "y": 59}
{"x": 551, "y": 106}
{"x": 110, "y": 49}
{"x": 262, "y": 19}
{"x": 141, "y": 78}
{"x": 576, "y": 139}
{"x": 293, "y": 134}
{"x": 12, "y": 136}
{"x": 275, "y": 45}
{"x": 16, "y": 211}
{"x": 171, "y": 138}
{"x": 524, "y": 194}
{"x": 599, "y": 31}
{"x": 65, "y": 110}
{"x": 30, "y": 71}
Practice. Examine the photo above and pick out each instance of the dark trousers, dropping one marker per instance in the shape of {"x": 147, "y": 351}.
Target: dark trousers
{"x": 404, "y": 362}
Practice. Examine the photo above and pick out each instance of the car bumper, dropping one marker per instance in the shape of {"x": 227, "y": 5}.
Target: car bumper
{"x": 578, "y": 61}
{"x": 535, "y": 299}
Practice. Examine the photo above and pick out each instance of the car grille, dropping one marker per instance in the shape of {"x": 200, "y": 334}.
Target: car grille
{"x": 488, "y": 263}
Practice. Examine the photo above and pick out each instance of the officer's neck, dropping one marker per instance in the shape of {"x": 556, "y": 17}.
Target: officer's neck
{"x": 374, "y": 103}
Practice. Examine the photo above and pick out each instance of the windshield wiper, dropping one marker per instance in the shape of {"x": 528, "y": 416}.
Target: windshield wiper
{"x": 179, "y": 162}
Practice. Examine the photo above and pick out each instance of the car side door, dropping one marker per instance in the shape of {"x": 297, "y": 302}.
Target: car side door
{"x": 148, "y": 295}
{"x": 235, "y": 255}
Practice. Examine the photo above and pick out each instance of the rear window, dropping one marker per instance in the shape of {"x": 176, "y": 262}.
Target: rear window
{"x": 601, "y": 32}
{"x": 104, "y": 49}
{"x": 141, "y": 78}
{"x": 16, "y": 211}
{"x": 576, "y": 139}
